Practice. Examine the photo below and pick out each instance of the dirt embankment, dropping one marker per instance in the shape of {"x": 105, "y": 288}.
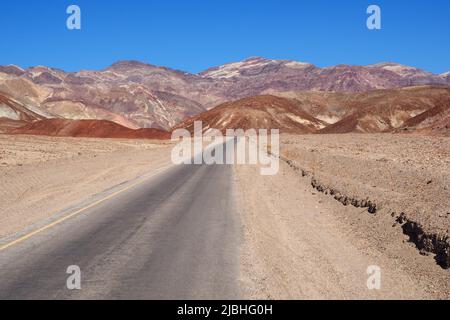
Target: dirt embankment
{"x": 405, "y": 177}
{"x": 39, "y": 176}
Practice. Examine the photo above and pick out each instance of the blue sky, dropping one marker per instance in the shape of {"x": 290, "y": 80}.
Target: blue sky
{"x": 193, "y": 35}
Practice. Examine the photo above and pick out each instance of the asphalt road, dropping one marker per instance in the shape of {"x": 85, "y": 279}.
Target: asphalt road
{"x": 175, "y": 236}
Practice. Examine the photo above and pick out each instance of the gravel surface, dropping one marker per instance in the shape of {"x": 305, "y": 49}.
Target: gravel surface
{"x": 404, "y": 176}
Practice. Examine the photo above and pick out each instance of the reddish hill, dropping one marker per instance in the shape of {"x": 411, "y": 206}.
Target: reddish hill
{"x": 430, "y": 117}
{"x": 260, "y": 112}
{"x": 88, "y": 129}
{"x": 7, "y": 124}
{"x": 389, "y": 110}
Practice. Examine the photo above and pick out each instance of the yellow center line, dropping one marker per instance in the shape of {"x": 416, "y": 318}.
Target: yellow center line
{"x": 54, "y": 223}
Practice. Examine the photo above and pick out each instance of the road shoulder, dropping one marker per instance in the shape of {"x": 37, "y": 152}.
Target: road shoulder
{"x": 301, "y": 244}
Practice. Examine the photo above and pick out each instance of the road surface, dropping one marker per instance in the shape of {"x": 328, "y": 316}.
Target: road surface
{"x": 174, "y": 236}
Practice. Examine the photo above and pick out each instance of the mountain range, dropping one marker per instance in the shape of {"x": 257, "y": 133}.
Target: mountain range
{"x": 138, "y": 95}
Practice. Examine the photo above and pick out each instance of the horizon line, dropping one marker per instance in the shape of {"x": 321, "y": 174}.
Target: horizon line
{"x": 215, "y": 66}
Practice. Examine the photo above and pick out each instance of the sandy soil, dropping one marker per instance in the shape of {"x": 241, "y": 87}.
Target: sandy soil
{"x": 302, "y": 243}
{"x": 40, "y": 176}
{"x": 407, "y": 177}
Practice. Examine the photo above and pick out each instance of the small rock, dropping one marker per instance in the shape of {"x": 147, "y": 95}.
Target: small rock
{"x": 402, "y": 218}
{"x": 372, "y": 207}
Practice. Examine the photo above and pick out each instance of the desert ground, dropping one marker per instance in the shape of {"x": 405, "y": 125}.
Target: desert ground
{"x": 305, "y": 241}
{"x": 307, "y": 232}
{"x": 41, "y": 176}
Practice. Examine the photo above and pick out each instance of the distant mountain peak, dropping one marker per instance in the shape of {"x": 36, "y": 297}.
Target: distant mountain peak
{"x": 250, "y": 67}
{"x": 12, "y": 69}
{"x": 15, "y": 67}
{"x": 385, "y": 64}
{"x": 255, "y": 59}
{"x": 399, "y": 69}
{"x": 130, "y": 64}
